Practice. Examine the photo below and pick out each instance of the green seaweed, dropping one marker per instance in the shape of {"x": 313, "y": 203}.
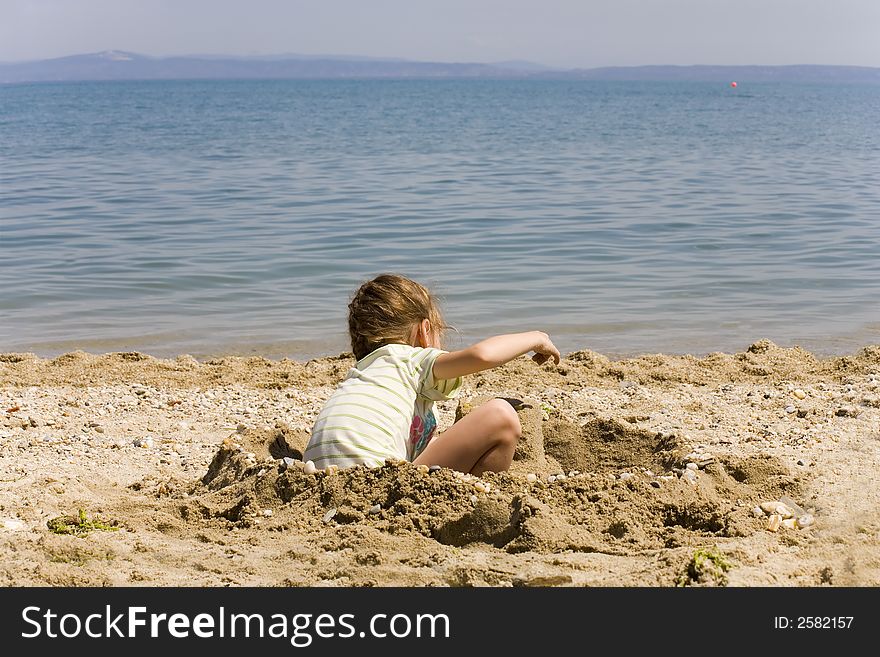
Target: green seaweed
{"x": 79, "y": 525}
{"x": 707, "y": 566}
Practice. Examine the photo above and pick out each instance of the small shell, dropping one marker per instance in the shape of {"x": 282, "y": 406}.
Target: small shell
{"x": 331, "y": 469}
{"x": 531, "y": 477}
{"x": 805, "y": 520}
{"x": 376, "y": 508}
{"x": 309, "y": 467}
{"x": 800, "y": 394}
{"x": 482, "y": 487}
{"x": 773, "y": 522}
{"x": 551, "y": 478}
{"x": 329, "y": 515}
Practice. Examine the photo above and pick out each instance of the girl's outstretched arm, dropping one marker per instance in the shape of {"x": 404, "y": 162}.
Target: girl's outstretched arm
{"x": 493, "y": 352}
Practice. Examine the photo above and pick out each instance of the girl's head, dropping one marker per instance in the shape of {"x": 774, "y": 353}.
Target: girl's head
{"x": 392, "y": 309}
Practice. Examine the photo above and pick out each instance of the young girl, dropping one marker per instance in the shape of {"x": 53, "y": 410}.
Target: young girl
{"x": 384, "y": 407}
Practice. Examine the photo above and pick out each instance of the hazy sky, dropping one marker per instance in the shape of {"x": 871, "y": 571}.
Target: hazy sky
{"x": 565, "y": 33}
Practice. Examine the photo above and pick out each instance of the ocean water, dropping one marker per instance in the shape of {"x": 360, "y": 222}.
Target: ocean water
{"x": 217, "y": 217}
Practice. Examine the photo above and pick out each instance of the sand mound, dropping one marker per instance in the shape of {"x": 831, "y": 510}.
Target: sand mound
{"x": 649, "y": 505}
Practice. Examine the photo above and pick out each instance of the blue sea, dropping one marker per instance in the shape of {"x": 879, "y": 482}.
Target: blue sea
{"x": 237, "y": 217}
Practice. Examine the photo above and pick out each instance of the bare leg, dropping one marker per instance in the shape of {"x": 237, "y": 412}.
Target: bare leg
{"x": 483, "y": 440}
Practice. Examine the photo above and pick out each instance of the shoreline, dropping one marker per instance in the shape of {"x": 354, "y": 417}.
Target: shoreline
{"x": 183, "y": 456}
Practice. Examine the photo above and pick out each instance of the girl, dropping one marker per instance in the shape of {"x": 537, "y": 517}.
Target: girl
{"x": 384, "y": 407}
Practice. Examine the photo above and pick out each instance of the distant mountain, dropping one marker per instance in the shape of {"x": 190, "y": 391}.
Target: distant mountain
{"x": 794, "y": 73}
{"x": 119, "y": 65}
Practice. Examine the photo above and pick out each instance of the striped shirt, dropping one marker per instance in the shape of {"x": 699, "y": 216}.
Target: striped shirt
{"x": 383, "y": 409}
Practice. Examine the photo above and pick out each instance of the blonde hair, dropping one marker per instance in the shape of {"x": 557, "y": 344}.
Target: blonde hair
{"x": 384, "y": 311}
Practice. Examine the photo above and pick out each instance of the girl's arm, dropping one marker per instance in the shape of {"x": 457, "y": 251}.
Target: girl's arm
{"x": 493, "y": 352}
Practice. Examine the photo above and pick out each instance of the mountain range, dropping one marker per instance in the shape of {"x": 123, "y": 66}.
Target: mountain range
{"x": 119, "y": 65}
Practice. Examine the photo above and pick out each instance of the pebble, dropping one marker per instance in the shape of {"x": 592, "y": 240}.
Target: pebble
{"x": 13, "y": 525}
{"x": 692, "y": 466}
{"x": 268, "y": 513}
{"x": 309, "y": 467}
{"x": 330, "y": 514}
{"x": 777, "y": 508}
{"x": 758, "y": 512}
{"x": 789, "y": 523}
{"x": 331, "y": 469}
{"x": 773, "y": 522}
{"x": 561, "y": 477}
{"x": 655, "y": 484}
{"x": 625, "y": 476}
{"x": 531, "y": 477}
{"x": 800, "y": 394}
{"x": 482, "y": 487}
{"x": 376, "y": 508}
{"x": 146, "y": 443}
{"x": 790, "y": 409}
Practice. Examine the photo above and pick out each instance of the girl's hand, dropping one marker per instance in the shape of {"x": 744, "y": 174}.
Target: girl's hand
{"x": 545, "y": 350}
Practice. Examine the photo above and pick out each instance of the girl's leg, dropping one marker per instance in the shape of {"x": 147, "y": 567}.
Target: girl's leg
{"x": 482, "y": 440}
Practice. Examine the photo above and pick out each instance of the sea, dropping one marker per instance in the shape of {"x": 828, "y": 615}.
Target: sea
{"x": 238, "y": 216}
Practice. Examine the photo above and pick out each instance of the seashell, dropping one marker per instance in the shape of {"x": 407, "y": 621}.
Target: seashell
{"x": 773, "y": 522}
{"x": 309, "y": 467}
{"x": 329, "y": 515}
{"x": 531, "y": 477}
{"x": 561, "y": 477}
{"x": 331, "y": 469}
{"x": 551, "y": 478}
{"x": 482, "y": 487}
{"x": 805, "y": 521}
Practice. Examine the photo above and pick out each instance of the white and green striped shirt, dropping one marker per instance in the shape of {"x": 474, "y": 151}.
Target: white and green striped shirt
{"x": 383, "y": 409}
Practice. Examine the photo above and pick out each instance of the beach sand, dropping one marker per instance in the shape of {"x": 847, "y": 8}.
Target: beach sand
{"x": 177, "y": 466}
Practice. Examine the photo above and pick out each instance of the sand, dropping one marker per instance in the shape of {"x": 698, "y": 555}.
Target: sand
{"x": 172, "y": 472}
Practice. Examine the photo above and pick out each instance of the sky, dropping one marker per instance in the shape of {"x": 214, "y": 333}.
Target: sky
{"x": 559, "y": 33}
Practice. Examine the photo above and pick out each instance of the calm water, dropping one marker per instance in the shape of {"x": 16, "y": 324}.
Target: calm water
{"x": 237, "y": 217}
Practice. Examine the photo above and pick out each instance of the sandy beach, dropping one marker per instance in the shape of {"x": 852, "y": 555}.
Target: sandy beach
{"x": 749, "y": 469}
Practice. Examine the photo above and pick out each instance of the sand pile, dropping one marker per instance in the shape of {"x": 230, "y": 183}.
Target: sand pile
{"x": 601, "y": 487}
